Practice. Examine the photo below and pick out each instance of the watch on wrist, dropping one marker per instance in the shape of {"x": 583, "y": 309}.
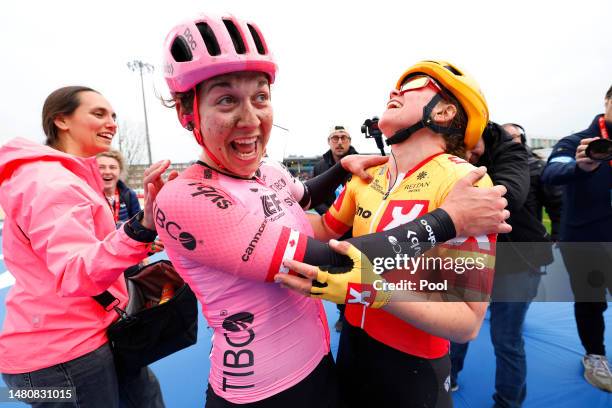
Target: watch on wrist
{"x": 135, "y": 230}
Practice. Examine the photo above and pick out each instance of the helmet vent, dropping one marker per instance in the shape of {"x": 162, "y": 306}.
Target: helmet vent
{"x": 257, "y": 38}
{"x": 235, "y": 35}
{"x": 212, "y": 45}
{"x": 453, "y": 70}
{"x": 180, "y": 50}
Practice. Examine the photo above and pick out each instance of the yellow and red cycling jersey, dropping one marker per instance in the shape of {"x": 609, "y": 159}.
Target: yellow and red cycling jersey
{"x": 377, "y": 206}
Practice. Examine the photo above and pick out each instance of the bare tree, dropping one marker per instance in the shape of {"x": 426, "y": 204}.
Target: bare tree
{"x": 130, "y": 142}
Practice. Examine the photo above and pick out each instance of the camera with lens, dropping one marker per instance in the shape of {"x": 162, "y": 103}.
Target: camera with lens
{"x": 371, "y": 130}
{"x": 599, "y": 150}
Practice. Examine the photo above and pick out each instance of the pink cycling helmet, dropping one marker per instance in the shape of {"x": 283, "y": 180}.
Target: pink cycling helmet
{"x": 206, "y": 46}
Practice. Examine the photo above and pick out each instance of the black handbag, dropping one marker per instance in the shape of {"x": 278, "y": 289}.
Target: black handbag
{"x": 147, "y": 330}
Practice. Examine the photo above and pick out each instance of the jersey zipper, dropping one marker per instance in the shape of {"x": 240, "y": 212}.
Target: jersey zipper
{"x": 391, "y": 190}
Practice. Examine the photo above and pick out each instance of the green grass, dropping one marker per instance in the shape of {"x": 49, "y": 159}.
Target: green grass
{"x": 546, "y": 222}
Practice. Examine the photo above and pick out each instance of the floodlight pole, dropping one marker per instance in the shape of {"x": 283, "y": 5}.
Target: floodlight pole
{"x": 140, "y": 66}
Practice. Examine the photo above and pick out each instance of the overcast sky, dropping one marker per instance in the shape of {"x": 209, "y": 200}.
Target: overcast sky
{"x": 544, "y": 64}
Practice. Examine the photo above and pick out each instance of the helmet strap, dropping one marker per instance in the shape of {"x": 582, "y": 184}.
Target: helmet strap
{"x": 425, "y": 122}
{"x": 198, "y": 133}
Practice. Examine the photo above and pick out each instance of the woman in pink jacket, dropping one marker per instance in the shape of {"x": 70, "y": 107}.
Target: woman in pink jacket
{"x": 61, "y": 245}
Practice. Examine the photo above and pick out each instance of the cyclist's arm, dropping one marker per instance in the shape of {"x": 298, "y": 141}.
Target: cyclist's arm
{"x": 455, "y": 321}
{"x": 426, "y": 231}
{"x": 320, "y": 187}
{"x": 312, "y": 192}
{"x": 320, "y": 230}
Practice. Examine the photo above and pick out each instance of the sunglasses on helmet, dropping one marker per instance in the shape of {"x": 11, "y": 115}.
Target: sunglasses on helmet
{"x": 418, "y": 82}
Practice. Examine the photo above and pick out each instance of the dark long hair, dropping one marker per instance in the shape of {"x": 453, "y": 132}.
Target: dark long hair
{"x": 62, "y": 101}
{"x": 454, "y": 141}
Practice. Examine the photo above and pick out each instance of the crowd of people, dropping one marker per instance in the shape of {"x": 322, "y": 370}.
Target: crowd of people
{"x": 457, "y": 187}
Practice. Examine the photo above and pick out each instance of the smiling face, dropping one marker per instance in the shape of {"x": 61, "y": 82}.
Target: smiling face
{"x": 404, "y": 109}
{"x": 236, "y": 120}
{"x": 110, "y": 171}
{"x": 89, "y": 130}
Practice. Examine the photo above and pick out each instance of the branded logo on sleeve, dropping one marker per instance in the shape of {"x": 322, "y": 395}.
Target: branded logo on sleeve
{"x": 186, "y": 239}
{"x": 394, "y": 244}
{"x": 361, "y": 212}
{"x": 278, "y": 185}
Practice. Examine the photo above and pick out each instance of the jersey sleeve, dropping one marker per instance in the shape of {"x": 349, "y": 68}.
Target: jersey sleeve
{"x": 200, "y": 222}
{"x": 295, "y": 185}
{"x": 339, "y": 217}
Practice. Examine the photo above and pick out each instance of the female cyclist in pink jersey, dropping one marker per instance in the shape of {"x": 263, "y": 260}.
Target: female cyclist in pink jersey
{"x": 61, "y": 245}
{"x": 394, "y": 352}
{"x": 229, "y": 220}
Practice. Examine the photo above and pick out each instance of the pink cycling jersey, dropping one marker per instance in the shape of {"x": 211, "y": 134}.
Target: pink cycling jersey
{"x": 227, "y": 237}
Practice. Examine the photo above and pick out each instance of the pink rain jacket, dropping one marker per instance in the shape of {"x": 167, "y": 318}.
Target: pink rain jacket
{"x": 60, "y": 244}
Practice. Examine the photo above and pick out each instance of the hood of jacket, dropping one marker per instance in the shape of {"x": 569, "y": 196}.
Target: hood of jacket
{"x": 20, "y": 152}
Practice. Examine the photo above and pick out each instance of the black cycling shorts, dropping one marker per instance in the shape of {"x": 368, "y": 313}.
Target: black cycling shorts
{"x": 372, "y": 374}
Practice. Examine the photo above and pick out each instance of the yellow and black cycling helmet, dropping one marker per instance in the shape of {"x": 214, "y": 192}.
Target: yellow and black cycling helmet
{"x": 462, "y": 86}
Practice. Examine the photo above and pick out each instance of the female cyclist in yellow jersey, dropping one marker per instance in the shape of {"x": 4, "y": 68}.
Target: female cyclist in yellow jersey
{"x": 395, "y": 353}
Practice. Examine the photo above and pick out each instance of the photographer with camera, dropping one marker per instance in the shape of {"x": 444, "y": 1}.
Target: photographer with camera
{"x": 339, "y": 141}
{"x": 587, "y": 217}
{"x": 371, "y": 130}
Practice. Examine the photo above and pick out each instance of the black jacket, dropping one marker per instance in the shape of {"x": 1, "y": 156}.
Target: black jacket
{"x": 508, "y": 164}
{"x": 546, "y": 196}
{"x": 587, "y": 211}
{"x": 321, "y": 167}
